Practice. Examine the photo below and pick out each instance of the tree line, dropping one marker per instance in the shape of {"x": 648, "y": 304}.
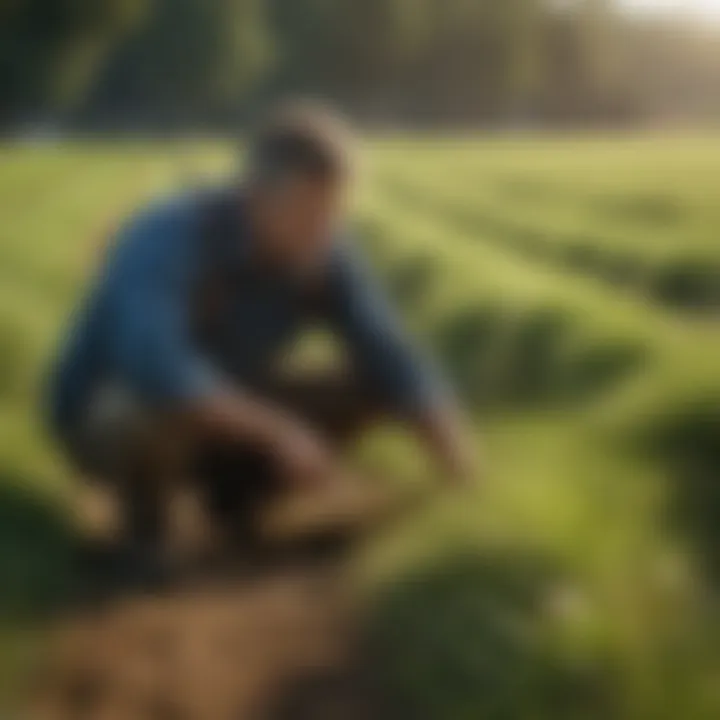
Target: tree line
{"x": 196, "y": 63}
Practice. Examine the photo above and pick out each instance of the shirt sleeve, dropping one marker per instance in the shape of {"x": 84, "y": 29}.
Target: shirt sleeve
{"x": 388, "y": 361}
{"x": 149, "y": 334}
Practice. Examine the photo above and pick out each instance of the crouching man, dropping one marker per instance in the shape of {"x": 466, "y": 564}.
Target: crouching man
{"x": 168, "y": 370}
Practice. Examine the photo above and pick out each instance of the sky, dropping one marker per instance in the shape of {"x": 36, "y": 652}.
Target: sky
{"x": 702, "y": 8}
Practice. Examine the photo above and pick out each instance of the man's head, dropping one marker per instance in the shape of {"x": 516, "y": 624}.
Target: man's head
{"x": 299, "y": 171}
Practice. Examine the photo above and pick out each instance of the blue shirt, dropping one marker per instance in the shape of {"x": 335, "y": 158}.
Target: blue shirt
{"x": 136, "y": 325}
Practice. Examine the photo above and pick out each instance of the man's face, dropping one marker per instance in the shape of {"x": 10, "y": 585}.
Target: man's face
{"x": 296, "y": 219}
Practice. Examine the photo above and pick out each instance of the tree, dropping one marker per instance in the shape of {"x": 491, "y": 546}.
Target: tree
{"x": 52, "y": 49}
{"x": 357, "y": 52}
{"x": 189, "y": 64}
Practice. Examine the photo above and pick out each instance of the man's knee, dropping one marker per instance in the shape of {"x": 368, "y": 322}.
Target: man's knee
{"x": 120, "y": 432}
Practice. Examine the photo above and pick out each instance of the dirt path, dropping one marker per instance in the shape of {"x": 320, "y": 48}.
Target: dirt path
{"x": 271, "y": 642}
{"x": 230, "y": 651}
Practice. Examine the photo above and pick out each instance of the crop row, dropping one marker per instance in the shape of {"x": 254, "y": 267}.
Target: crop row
{"x": 513, "y": 331}
{"x": 509, "y": 327}
{"x": 513, "y": 334}
{"x": 670, "y": 265}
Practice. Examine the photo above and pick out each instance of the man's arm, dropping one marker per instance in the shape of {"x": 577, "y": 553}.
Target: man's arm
{"x": 392, "y": 364}
{"x": 153, "y": 349}
{"x": 445, "y": 432}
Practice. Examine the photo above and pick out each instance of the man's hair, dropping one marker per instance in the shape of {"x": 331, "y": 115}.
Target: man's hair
{"x": 301, "y": 138}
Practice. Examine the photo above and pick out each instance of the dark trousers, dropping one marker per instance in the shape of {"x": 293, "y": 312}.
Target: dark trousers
{"x": 236, "y": 481}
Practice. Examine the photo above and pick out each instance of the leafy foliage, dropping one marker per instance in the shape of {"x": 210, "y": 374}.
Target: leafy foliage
{"x": 165, "y": 63}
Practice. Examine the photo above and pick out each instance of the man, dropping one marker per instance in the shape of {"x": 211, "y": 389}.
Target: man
{"x": 168, "y": 369}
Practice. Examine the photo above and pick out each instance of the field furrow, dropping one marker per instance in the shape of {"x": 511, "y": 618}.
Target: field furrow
{"x": 649, "y": 239}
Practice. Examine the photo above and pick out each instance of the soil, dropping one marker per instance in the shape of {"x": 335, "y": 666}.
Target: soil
{"x": 274, "y": 637}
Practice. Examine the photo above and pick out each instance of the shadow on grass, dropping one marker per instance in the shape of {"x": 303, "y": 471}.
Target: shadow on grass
{"x": 36, "y": 551}
{"x": 471, "y": 637}
{"x": 691, "y": 283}
{"x": 503, "y": 360}
{"x": 465, "y": 342}
{"x": 688, "y": 439}
{"x": 411, "y": 279}
{"x": 46, "y": 566}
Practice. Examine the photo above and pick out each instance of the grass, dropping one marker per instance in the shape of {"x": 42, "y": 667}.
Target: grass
{"x": 588, "y": 372}
{"x": 625, "y": 212}
{"x": 580, "y": 580}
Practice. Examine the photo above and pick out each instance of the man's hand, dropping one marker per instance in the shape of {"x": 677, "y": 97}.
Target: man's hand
{"x": 303, "y": 457}
{"x": 301, "y": 454}
{"x": 445, "y": 434}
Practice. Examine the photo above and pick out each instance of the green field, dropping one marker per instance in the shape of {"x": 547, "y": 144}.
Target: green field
{"x": 571, "y": 289}
{"x": 640, "y": 215}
